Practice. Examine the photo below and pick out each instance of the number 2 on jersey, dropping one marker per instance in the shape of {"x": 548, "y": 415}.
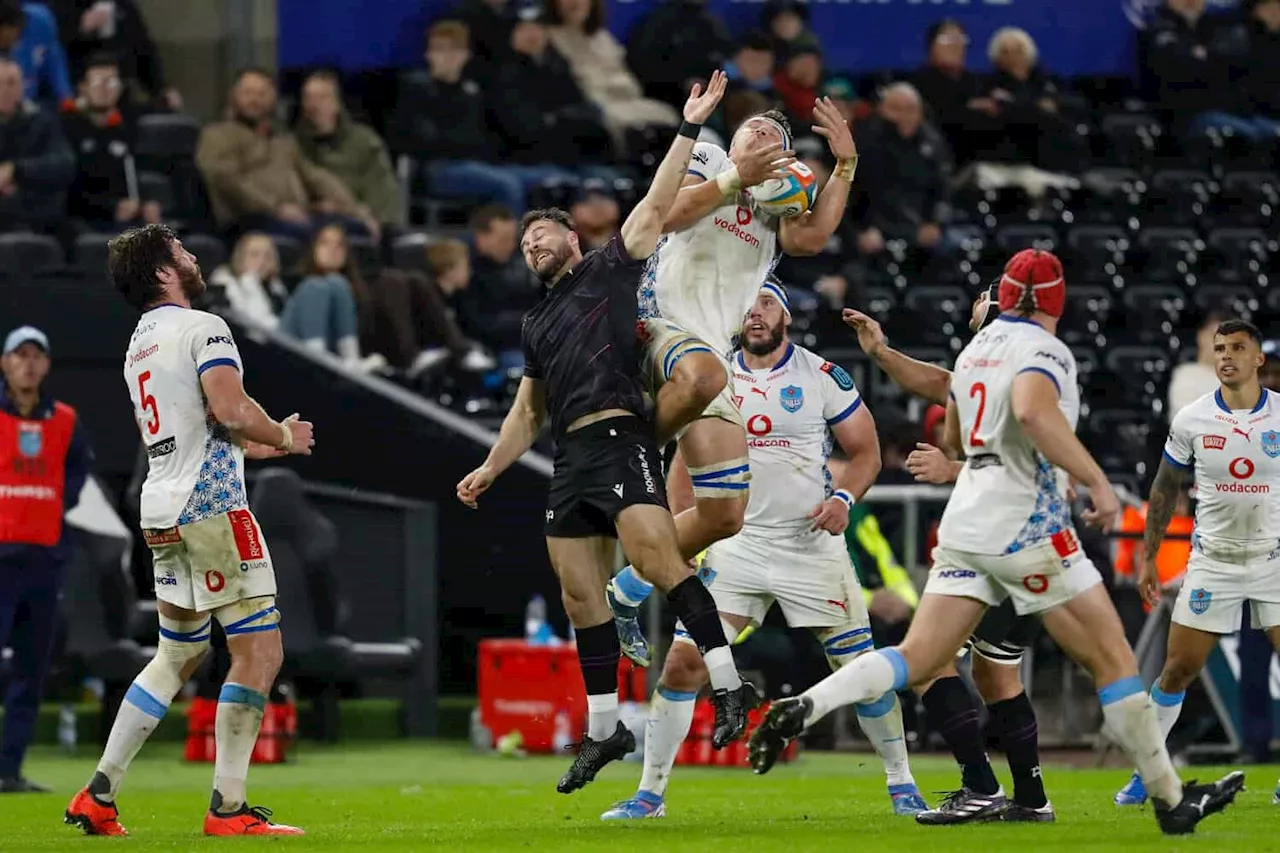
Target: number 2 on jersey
{"x": 979, "y": 390}
{"x": 148, "y": 403}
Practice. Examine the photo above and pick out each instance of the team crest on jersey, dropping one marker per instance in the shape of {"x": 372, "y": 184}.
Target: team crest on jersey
{"x": 1199, "y": 601}
{"x": 30, "y": 440}
{"x": 1271, "y": 443}
{"x": 792, "y": 398}
{"x": 1214, "y": 442}
{"x": 838, "y": 375}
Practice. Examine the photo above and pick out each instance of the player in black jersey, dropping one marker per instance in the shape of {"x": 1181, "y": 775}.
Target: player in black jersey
{"x": 997, "y": 643}
{"x": 582, "y": 371}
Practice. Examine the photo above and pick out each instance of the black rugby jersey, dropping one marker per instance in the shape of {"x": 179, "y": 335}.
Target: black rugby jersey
{"x": 581, "y": 338}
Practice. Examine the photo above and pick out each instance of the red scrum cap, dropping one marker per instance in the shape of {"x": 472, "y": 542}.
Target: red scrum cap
{"x": 1042, "y": 272}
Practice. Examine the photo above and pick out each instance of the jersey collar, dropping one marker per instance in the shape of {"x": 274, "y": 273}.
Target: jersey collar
{"x": 1222, "y": 404}
{"x": 1015, "y": 319}
{"x": 782, "y": 362}
{"x": 162, "y": 305}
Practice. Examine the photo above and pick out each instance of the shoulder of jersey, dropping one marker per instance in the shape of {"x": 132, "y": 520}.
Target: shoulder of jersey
{"x": 704, "y": 151}
{"x": 833, "y": 371}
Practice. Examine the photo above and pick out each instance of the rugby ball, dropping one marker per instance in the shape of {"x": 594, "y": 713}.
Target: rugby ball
{"x": 789, "y": 196}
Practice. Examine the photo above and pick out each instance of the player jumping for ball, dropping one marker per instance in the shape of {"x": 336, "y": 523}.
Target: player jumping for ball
{"x": 582, "y": 371}
{"x": 184, "y": 375}
{"x": 790, "y": 550}
{"x": 719, "y": 246}
{"x": 1007, "y": 532}
{"x": 1228, "y": 442}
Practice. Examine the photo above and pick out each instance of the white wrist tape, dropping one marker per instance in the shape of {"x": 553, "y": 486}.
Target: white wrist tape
{"x": 729, "y": 182}
{"x": 286, "y": 443}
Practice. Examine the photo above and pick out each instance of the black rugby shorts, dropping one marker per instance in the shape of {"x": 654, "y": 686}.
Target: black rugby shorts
{"x": 600, "y": 470}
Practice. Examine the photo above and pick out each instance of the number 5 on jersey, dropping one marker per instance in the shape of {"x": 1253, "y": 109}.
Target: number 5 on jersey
{"x": 978, "y": 390}
{"x": 148, "y": 403}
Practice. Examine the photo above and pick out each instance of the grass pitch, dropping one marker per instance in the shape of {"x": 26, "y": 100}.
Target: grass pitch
{"x": 412, "y": 796}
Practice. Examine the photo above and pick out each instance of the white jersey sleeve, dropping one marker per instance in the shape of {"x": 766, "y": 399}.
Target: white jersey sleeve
{"x": 707, "y": 160}
{"x": 1178, "y": 449}
{"x": 840, "y": 397}
{"x": 1052, "y": 358}
{"x": 212, "y": 344}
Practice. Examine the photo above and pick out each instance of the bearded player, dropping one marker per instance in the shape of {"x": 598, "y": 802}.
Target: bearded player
{"x": 1228, "y": 442}
{"x": 790, "y": 550}
{"x": 1007, "y": 532}
{"x": 719, "y": 246}
{"x": 183, "y": 372}
{"x": 997, "y": 644}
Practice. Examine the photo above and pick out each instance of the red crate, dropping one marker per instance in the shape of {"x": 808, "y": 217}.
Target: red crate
{"x": 275, "y": 739}
{"x": 523, "y": 687}
{"x": 697, "y": 748}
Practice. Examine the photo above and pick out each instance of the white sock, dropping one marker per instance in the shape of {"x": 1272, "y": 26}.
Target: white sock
{"x": 724, "y": 672}
{"x": 1168, "y": 707}
{"x": 881, "y": 722}
{"x": 670, "y": 715}
{"x": 1128, "y": 713}
{"x": 631, "y": 589}
{"x": 863, "y": 680}
{"x": 235, "y": 731}
{"x": 602, "y": 715}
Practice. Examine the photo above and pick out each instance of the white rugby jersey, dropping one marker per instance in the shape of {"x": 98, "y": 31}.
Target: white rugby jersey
{"x": 1008, "y": 496}
{"x": 194, "y": 469}
{"x": 1236, "y": 462}
{"x": 789, "y": 411}
{"x": 706, "y": 277}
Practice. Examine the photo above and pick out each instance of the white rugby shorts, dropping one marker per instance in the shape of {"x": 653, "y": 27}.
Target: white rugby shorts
{"x": 1039, "y": 577}
{"x": 665, "y": 343}
{"x": 212, "y": 562}
{"x": 1213, "y": 593}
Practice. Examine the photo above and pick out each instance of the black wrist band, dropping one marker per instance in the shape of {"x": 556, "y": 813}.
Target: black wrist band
{"x": 690, "y": 130}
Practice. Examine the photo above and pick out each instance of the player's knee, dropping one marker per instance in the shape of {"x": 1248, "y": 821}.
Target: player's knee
{"x": 995, "y": 681}
{"x": 699, "y": 377}
{"x": 181, "y": 647}
{"x": 252, "y": 626}
{"x": 583, "y": 608}
{"x": 684, "y": 669}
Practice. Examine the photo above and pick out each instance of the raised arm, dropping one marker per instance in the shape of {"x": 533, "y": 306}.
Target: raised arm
{"x": 808, "y": 234}
{"x": 918, "y": 377}
{"x": 641, "y": 230}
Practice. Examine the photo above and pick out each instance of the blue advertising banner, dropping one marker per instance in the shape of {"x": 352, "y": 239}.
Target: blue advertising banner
{"x": 1076, "y": 37}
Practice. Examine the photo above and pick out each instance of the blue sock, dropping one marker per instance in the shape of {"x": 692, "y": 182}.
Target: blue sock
{"x": 631, "y": 589}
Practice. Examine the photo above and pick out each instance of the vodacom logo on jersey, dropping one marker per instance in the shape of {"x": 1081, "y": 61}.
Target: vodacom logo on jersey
{"x": 738, "y": 229}
{"x": 758, "y": 428}
{"x": 1242, "y": 468}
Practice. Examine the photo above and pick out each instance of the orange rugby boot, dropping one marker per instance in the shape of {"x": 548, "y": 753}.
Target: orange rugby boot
{"x": 253, "y": 820}
{"x": 93, "y": 816}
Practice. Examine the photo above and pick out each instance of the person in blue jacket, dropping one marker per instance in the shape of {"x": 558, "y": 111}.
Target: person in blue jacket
{"x": 44, "y": 461}
{"x": 29, "y": 36}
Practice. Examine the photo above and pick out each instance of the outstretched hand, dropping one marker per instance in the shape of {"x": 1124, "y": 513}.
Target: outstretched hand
{"x": 831, "y": 126}
{"x": 870, "y": 335}
{"x": 702, "y": 104}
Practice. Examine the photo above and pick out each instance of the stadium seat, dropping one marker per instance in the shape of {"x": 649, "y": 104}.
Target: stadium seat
{"x": 167, "y": 136}
{"x": 90, "y": 253}
{"x": 31, "y": 253}
{"x": 878, "y": 303}
{"x": 1014, "y": 238}
{"x": 1153, "y": 312}
{"x": 291, "y": 252}
{"x": 408, "y": 251}
{"x": 1172, "y": 254}
{"x": 1241, "y": 254}
{"x": 1137, "y": 361}
{"x": 155, "y": 186}
{"x": 1087, "y": 312}
{"x": 1121, "y": 437}
{"x": 1096, "y": 254}
{"x": 1087, "y": 363}
{"x": 1109, "y": 196}
{"x": 1236, "y": 300}
{"x": 368, "y": 254}
{"x": 1180, "y": 197}
{"x": 1130, "y": 139}
{"x": 938, "y": 312}
{"x": 1248, "y": 199}
{"x": 210, "y": 251}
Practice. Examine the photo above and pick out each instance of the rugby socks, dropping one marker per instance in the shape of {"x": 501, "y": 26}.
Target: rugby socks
{"x": 881, "y": 722}
{"x": 864, "y": 680}
{"x": 697, "y": 610}
{"x": 954, "y": 714}
{"x": 631, "y": 589}
{"x": 1014, "y": 723}
{"x": 146, "y": 702}
{"x": 670, "y": 716}
{"x": 1129, "y": 716}
{"x": 598, "y": 654}
{"x": 1168, "y": 707}
{"x": 235, "y": 731}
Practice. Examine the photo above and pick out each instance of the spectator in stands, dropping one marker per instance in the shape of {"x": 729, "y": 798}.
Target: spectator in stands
{"x": 1193, "y": 379}
{"x": 328, "y": 306}
{"x": 413, "y": 325}
{"x": 36, "y": 164}
{"x": 787, "y": 23}
{"x": 752, "y": 66}
{"x": 105, "y": 194}
{"x": 797, "y": 81}
{"x": 599, "y": 64}
{"x": 596, "y": 214}
{"x": 350, "y": 151}
{"x": 249, "y": 287}
{"x": 1193, "y": 64}
{"x": 502, "y": 289}
{"x": 1263, "y": 68}
{"x": 92, "y": 27}
{"x": 441, "y": 116}
{"x": 489, "y": 24}
{"x": 29, "y": 37}
{"x": 1032, "y": 127}
{"x": 675, "y": 45}
{"x": 903, "y": 176}
{"x": 954, "y": 94}
{"x": 256, "y": 175}
{"x": 536, "y": 105}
